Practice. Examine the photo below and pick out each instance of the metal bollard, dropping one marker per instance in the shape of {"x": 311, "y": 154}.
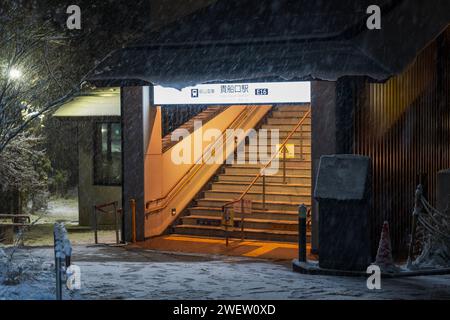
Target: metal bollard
{"x": 302, "y": 210}
{"x": 63, "y": 253}
{"x": 58, "y": 270}
{"x": 58, "y": 234}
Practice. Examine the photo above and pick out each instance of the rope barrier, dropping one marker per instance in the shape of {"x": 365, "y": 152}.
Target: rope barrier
{"x": 435, "y": 224}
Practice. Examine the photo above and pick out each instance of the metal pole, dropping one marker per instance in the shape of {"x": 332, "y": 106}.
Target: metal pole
{"x": 242, "y": 219}
{"x": 264, "y": 191}
{"x": 236, "y": 148}
{"x": 133, "y": 220}
{"x": 284, "y": 164}
{"x": 95, "y": 225}
{"x": 302, "y": 210}
{"x": 301, "y": 142}
{"x": 57, "y": 250}
{"x": 225, "y": 212}
{"x": 116, "y": 222}
{"x": 58, "y": 278}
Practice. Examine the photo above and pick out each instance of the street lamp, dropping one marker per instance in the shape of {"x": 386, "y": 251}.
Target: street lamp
{"x": 15, "y": 74}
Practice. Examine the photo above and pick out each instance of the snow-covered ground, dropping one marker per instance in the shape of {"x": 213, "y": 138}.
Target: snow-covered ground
{"x": 60, "y": 209}
{"x": 118, "y": 273}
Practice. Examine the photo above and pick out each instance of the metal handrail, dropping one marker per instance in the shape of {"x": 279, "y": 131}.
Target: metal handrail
{"x": 176, "y": 189}
{"x": 300, "y": 123}
{"x": 101, "y": 208}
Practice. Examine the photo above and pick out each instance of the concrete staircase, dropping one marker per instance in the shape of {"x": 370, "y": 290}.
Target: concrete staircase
{"x": 204, "y": 116}
{"x": 279, "y": 220}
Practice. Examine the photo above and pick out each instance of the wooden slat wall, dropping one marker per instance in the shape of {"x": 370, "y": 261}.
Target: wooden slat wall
{"x": 404, "y": 126}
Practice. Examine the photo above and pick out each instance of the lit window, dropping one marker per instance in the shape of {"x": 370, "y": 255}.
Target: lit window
{"x": 107, "y": 154}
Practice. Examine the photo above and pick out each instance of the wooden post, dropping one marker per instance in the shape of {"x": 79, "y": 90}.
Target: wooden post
{"x": 133, "y": 220}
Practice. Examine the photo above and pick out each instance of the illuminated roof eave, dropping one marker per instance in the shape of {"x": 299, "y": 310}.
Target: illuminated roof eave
{"x": 97, "y": 103}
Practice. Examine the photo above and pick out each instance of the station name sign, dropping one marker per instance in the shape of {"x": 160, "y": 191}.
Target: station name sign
{"x": 235, "y": 93}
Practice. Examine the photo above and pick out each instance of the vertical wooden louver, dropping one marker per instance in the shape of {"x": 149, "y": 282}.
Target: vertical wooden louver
{"x": 404, "y": 126}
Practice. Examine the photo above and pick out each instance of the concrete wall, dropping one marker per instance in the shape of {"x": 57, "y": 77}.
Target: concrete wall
{"x": 88, "y": 193}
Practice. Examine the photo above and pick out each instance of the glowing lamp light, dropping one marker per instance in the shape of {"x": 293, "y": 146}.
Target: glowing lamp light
{"x": 15, "y": 74}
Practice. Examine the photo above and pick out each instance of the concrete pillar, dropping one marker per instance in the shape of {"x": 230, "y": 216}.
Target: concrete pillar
{"x": 136, "y": 127}
{"x": 332, "y": 105}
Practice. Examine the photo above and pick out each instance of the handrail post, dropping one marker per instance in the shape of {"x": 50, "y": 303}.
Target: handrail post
{"x": 235, "y": 148}
{"x": 242, "y": 219}
{"x": 225, "y": 219}
{"x": 133, "y": 220}
{"x": 301, "y": 143}
{"x": 284, "y": 164}
{"x": 264, "y": 191}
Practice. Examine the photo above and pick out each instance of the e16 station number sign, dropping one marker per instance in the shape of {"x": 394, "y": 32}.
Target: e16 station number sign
{"x": 235, "y": 93}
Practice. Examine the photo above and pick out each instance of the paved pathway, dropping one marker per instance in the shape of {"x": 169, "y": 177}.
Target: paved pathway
{"x": 119, "y": 273}
{"x": 247, "y": 248}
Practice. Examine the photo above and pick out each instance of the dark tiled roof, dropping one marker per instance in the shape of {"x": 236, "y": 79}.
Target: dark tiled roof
{"x": 279, "y": 40}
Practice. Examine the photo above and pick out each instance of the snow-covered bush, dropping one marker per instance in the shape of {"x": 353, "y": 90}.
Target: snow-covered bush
{"x": 21, "y": 168}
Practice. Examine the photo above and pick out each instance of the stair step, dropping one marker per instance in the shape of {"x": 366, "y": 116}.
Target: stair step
{"x": 198, "y": 220}
{"x": 262, "y": 159}
{"x": 256, "y": 214}
{"x": 247, "y": 178}
{"x": 293, "y": 140}
{"x": 270, "y": 171}
{"x": 256, "y": 204}
{"x": 257, "y": 187}
{"x": 270, "y": 149}
{"x": 259, "y": 234}
{"x": 286, "y": 127}
{"x": 289, "y": 114}
{"x": 304, "y": 107}
{"x": 294, "y": 163}
{"x": 266, "y": 155}
{"x": 270, "y": 196}
{"x": 282, "y": 134}
{"x": 288, "y": 120}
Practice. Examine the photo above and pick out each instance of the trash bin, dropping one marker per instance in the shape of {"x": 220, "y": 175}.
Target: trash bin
{"x": 343, "y": 192}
